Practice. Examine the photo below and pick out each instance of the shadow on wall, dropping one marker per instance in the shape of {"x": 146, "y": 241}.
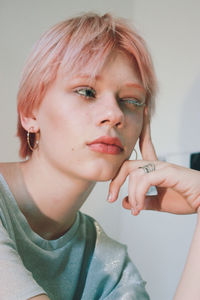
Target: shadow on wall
{"x": 189, "y": 138}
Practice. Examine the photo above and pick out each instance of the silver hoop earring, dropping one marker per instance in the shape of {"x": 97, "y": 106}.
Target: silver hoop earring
{"x": 136, "y": 155}
{"x": 29, "y": 139}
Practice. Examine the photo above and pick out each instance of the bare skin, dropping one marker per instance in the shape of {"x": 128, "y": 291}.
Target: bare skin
{"x": 47, "y": 222}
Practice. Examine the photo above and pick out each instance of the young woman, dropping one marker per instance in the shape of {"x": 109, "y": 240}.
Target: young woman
{"x": 85, "y": 98}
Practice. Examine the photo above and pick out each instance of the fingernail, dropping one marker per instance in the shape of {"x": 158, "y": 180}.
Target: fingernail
{"x": 135, "y": 212}
{"x": 132, "y": 211}
{"x": 110, "y": 197}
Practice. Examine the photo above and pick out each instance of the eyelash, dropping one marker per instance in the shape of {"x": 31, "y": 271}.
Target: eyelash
{"x": 133, "y": 102}
{"x": 78, "y": 91}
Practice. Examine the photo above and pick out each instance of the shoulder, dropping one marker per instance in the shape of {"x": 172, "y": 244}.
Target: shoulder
{"x": 103, "y": 241}
{"x": 6, "y": 174}
{"x": 3, "y": 168}
{"x": 10, "y": 178}
{"x": 115, "y": 269}
{"x": 3, "y": 176}
{"x": 7, "y": 169}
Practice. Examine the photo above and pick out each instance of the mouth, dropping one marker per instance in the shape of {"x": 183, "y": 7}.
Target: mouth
{"x": 107, "y": 145}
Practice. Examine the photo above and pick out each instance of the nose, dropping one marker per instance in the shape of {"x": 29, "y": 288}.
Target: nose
{"x": 109, "y": 112}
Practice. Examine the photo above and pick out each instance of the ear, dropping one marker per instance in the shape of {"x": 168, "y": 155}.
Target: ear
{"x": 29, "y": 122}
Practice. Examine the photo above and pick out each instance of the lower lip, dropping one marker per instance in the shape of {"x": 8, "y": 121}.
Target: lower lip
{"x": 105, "y": 148}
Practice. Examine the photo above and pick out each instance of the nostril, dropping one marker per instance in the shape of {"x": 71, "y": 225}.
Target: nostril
{"x": 118, "y": 124}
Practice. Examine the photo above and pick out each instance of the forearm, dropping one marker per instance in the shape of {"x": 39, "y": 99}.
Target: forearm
{"x": 173, "y": 202}
{"x": 189, "y": 285}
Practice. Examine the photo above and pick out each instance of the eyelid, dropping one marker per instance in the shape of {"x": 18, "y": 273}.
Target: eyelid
{"x": 83, "y": 87}
{"x": 134, "y": 101}
{"x": 86, "y": 87}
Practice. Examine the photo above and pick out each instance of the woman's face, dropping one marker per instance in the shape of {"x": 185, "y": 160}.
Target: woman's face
{"x": 88, "y": 128}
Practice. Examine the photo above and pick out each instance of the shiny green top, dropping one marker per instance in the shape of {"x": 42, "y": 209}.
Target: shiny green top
{"x": 82, "y": 264}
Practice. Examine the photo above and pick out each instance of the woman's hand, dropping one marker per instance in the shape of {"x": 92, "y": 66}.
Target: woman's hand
{"x": 178, "y": 187}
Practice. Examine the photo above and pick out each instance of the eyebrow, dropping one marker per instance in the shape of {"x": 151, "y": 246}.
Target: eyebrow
{"x": 98, "y": 77}
{"x": 135, "y": 85}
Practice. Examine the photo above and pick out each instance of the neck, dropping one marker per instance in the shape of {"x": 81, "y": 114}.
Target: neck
{"x": 54, "y": 198}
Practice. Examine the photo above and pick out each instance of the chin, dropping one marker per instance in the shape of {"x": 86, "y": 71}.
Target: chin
{"x": 101, "y": 169}
{"x": 104, "y": 174}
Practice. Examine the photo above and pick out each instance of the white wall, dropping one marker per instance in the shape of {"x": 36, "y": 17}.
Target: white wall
{"x": 158, "y": 243}
{"x": 172, "y": 30}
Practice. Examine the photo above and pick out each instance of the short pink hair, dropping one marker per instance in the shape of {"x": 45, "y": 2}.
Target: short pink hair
{"x": 80, "y": 43}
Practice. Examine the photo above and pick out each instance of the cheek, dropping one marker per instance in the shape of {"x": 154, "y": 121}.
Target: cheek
{"x": 54, "y": 113}
{"x": 61, "y": 123}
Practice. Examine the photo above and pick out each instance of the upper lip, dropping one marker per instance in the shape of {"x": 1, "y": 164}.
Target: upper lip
{"x": 108, "y": 140}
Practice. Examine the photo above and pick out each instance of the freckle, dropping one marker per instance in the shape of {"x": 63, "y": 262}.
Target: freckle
{"x": 72, "y": 149}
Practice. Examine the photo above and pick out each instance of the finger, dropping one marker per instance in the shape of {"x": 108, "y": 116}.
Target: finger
{"x": 150, "y": 203}
{"x": 139, "y": 184}
{"x": 137, "y": 189}
{"x": 127, "y": 167}
{"x": 125, "y": 203}
{"x": 142, "y": 189}
{"x": 118, "y": 181}
{"x": 145, "y": 142}
{"x": 196, "y": 203}
{"x": 131, "y": 191}
{"x": 120, "y": 178}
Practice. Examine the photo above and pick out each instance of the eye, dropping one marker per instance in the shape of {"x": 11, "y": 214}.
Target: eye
{"x": 86, "y": 92}
{"x": 132, "y": 102}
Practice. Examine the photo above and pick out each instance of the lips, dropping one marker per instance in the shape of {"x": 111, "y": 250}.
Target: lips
{"x": 106, "y": 144}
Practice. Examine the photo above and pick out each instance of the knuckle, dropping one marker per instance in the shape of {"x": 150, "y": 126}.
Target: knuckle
{"x": 140, "y": 205}
{"x": 195, "y": 204}
{"x": 126, "y": 165}
{"x": 133, "y": 175}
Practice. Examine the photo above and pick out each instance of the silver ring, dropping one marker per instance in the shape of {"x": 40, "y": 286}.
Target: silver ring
{"x": 148, "y": 168}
